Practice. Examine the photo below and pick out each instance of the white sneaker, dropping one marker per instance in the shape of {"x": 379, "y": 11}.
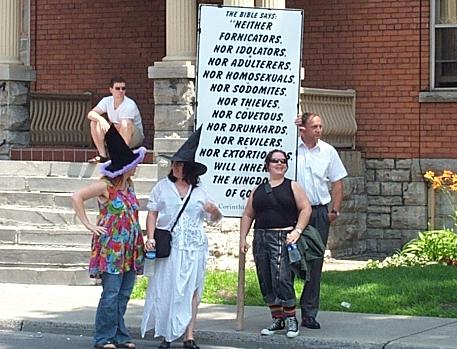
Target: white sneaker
{"x": 277, "y": 325}
{"x": 292, "y": 327}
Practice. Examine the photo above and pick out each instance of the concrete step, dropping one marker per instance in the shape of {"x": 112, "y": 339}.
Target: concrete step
{"x": 65, "y": 169}
{"x": 43, "y": 256}
{"x": 52, "y": 200}
{"x": 47, "y": 236}
{"x": 62, "y": 184}
{"x": 45, "y": 216}
{"x": 72, "y": 276}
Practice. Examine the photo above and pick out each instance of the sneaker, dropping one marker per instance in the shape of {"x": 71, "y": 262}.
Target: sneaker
{"x": 292, "y": 327}
{"x": 277, "y": 325}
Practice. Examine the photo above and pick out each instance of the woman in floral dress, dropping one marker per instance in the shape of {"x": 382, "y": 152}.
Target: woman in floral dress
{"x": 117, "y": 241}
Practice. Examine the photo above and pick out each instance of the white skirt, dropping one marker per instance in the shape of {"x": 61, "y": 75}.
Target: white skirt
{"x": 168, "y": 303}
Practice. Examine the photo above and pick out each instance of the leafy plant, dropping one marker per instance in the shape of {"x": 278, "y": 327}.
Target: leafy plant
{"x": 430, "y": 247}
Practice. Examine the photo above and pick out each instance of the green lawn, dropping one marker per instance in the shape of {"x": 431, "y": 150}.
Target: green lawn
{"x": 419, "y": 291}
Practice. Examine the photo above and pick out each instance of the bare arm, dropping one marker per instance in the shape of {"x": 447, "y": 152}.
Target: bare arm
{"x": 246, "y": 222}
{"x": 150, "y": 228}
{"x": 304, "y": 212}
{"x": 337, "y": 198}
{"x": 96, "y": 115}
{"x": 97, "y": 189}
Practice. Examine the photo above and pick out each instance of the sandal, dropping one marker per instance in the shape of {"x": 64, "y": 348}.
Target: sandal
{"x": 97, "y": 159}
{"x": 126, "y": 345}
{"x": 105, "y": 346}
{"x": 164, "y": 344}
{"x": 190, "y": 344}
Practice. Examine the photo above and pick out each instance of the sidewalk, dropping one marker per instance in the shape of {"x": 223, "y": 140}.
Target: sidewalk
{"x": 71, "y": 310}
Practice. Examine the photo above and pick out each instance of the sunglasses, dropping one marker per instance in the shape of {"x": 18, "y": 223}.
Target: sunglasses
{"x": 120, "y": 88}
{"x": 278, "y": 161}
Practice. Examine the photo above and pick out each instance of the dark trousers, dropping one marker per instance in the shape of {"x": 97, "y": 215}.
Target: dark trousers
{"x": 309, "y": 300}
{"x": 272, "y": 265}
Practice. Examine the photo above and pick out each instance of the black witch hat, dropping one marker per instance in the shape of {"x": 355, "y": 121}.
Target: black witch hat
{"x": 186, "y": 153}
{"x": 123, "y": 159}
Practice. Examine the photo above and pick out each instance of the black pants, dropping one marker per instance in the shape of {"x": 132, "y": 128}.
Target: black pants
{"x": 272, "y": 265}
{"x": 309, "y": 300}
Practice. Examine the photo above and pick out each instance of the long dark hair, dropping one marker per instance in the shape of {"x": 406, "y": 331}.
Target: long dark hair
{"x": 189, "y": 174}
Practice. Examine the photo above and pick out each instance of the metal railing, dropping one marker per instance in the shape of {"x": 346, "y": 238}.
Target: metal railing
{"x": 60, "y": 119}
{"x": 337, "y": 110}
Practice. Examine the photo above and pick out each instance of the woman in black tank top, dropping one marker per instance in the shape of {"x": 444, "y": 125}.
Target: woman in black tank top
{"x": 281, "y": 211}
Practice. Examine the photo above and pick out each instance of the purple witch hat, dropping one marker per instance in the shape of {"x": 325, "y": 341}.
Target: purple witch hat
{"x": 123, "y": 159}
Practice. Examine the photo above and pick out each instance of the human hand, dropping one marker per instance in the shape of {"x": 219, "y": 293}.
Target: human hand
{"x": 104, "y": 125}
{"x": 211, "y": 208}
{"x": 96, "y": 229}
{"x": 292, "y": 237}
{"x": 298, "y": 120}
{"x": 244, "y": 247}
{"x": 150, "y": 244}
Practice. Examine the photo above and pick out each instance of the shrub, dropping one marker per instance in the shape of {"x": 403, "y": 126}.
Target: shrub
{"x": 430, "y": 247}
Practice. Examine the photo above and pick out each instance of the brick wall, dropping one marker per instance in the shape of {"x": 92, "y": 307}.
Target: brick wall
{"x": 78, "y": 46}
{"x": 379, "y": 48}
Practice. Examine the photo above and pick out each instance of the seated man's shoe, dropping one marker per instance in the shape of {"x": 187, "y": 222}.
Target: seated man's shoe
{"x": 310, "y": 322}
{"x": 97, "y": 159}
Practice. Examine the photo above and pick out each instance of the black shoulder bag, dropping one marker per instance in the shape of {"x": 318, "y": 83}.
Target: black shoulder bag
{"x": 163, "y": 236}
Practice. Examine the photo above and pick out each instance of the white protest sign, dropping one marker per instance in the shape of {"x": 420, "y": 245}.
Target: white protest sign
{"x": 248, "y": 85}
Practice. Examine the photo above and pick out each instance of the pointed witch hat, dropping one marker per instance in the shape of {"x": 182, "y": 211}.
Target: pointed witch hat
{"x": 186, "y": 153}
{"x": 123, "y": 159}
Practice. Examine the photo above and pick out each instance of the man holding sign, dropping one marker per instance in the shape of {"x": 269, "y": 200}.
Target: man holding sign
{"x": 317, "y": 164}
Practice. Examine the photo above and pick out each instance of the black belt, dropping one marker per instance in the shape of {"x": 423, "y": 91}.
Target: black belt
{"x": 318, "y": 206}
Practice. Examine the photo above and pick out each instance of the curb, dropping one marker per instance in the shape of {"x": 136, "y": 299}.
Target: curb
{"x": 218, "y": 338}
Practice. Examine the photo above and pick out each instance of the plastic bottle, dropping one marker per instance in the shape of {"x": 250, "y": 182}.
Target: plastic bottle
{"x": 294, "y": 253}
{"x": 149, "y": 263}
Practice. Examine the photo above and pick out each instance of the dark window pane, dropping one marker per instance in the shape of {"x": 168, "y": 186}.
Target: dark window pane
{"x": 446, "y": 57}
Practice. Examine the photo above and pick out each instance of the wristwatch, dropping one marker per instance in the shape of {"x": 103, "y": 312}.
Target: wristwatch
{"x": 335, "y": 212}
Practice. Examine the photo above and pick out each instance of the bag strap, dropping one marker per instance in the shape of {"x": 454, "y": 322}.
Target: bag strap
{"x": 182, "y": 209}
{"x": 271, "y": 194}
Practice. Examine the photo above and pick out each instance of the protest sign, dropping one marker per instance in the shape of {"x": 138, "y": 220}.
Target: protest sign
{"x": 248, "y": 86}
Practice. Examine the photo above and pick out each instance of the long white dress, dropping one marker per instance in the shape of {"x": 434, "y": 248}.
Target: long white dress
{"x": 168, "y": 304}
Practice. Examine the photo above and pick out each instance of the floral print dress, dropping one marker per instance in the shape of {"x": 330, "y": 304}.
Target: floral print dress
{"x": 120, "y": 249}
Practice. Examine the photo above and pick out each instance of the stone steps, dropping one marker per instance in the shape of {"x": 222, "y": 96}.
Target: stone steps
{"x": 52, "y": 200}
{"x": 42, "y": 235}
{"x": 74, "y": 276}
{"x": 41, "y": 239}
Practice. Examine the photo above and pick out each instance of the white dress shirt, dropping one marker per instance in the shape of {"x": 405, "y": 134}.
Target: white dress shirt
{"x": 316, "y": 168}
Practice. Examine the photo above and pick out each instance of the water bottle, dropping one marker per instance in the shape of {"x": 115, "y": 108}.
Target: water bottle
{"x": 150, "y": 254}
{"x": 149, "y": 263}
{"x": 294, "y": 253}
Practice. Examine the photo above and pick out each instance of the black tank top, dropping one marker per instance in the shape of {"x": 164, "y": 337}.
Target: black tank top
{"x": 271, "y": 213}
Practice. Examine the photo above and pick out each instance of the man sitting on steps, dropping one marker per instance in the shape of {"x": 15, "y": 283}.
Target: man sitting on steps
{"x": 123, "y": 112}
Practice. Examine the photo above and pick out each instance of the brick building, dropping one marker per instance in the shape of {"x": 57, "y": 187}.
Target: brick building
{"x": 399, "y": 57}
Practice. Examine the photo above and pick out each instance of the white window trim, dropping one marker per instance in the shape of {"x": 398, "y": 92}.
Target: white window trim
{"x": 433, "y": 26}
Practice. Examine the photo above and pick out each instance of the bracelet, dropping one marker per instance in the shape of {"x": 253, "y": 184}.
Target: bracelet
{"x": 150, "y": 240}
{"x": 298, "y": 231}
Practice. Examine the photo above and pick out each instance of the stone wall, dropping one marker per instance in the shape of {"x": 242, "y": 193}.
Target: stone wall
{"x": 14, "y": 116}
{"x": 385, "y": 205}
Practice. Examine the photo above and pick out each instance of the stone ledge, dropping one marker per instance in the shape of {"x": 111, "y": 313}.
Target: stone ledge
{"x": 438, "y": 97}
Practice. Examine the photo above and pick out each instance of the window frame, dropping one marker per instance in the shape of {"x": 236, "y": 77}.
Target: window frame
{"x": 433, "y": 28}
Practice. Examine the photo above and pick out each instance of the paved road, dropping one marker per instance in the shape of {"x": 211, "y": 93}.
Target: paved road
{"x": 38, "y": 340}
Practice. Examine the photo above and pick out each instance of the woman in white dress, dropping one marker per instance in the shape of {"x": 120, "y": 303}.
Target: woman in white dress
{"x": 175, "y": 289}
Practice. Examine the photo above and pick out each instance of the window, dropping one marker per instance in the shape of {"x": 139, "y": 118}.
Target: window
{"x": 444, "y": 43}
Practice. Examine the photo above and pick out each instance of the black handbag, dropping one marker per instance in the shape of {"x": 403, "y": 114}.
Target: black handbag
{"x": 163, "y": 236}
